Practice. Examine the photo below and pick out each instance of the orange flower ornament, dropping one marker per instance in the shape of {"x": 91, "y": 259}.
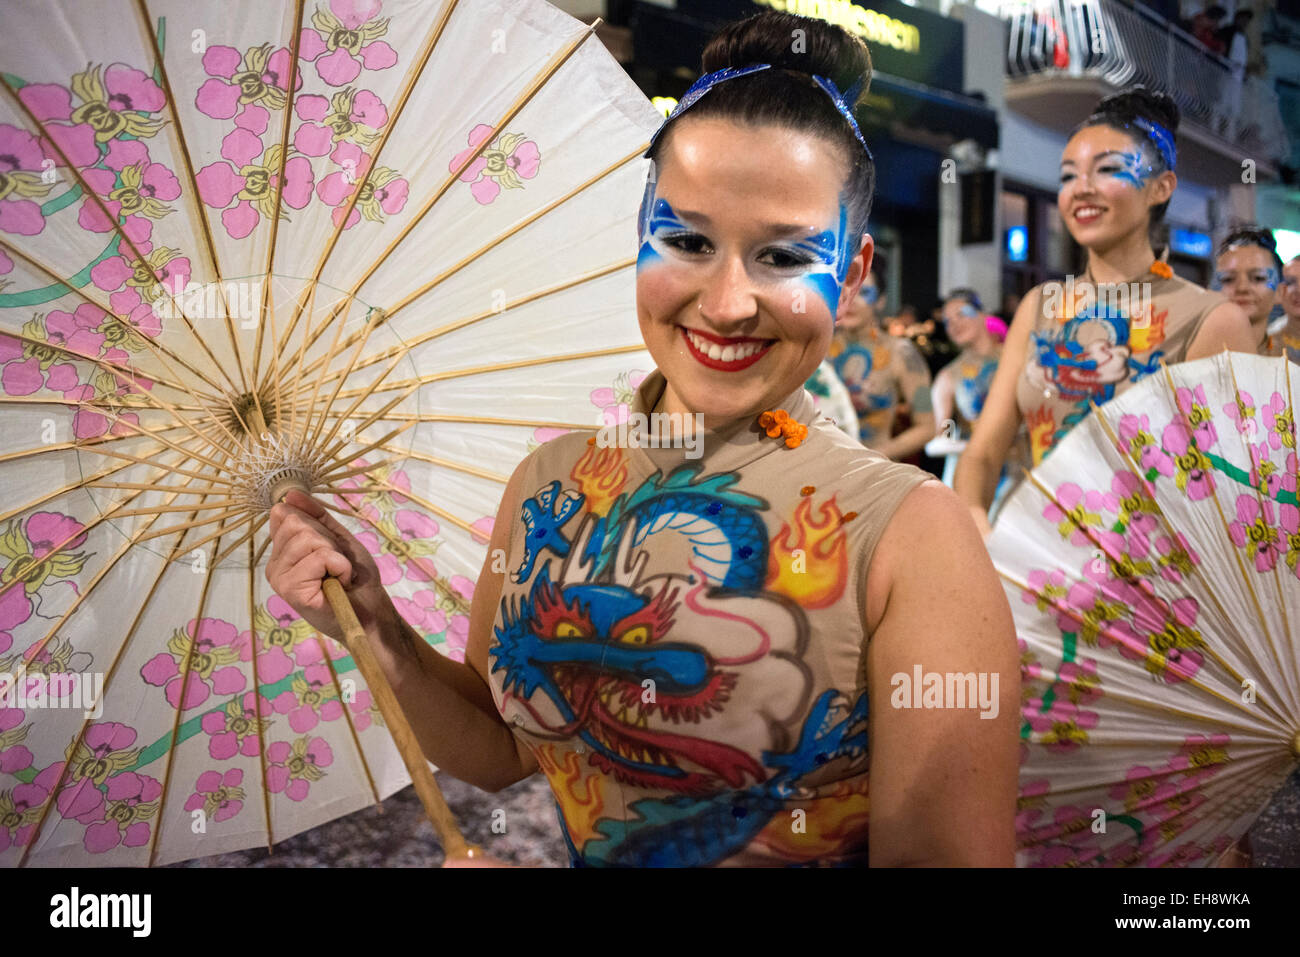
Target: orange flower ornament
{"x": 777, "y": 423}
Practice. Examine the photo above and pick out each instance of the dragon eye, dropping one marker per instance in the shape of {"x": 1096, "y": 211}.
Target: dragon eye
{"x": 635, "y": 636}
{"x": 567, "y": 629}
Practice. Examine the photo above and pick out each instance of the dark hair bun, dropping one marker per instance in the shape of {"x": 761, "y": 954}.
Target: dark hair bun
{"x": 791, "y": 42}
{"x": 1138, "y": 101}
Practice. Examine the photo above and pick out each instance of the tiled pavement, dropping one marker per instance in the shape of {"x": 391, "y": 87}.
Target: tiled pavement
{"x": 402, "y": 837}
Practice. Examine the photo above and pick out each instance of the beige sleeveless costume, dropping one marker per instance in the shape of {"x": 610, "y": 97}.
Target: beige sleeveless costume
{"x": 1090, "y": 343}
{"x": 680, "y": 641}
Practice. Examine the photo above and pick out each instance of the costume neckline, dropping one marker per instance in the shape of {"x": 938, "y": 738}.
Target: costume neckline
{"x": 742, "y": 438}
{"x": 1139, "y": 277}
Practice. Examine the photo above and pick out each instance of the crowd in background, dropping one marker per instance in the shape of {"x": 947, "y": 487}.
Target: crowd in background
{"x": 959, "y": 341}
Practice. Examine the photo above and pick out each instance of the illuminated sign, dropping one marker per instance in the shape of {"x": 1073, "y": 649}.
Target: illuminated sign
{"x": 1190, "y": 243}
{"x": 1018, "y": 244}
{"x": 1288, "y": 244}
{"x": 664, "y": 104}
{"x": 871, "y": 26}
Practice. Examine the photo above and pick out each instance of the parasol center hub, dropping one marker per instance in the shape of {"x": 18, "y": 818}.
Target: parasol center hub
{"x": 286, "y": 480}
{"x": 1295, "y": 745}
{"x": 253, "y": 415}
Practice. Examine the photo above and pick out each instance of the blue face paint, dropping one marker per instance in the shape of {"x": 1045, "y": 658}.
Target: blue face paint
{"x": 820, "y": 261}
{"x": 659, "y": 221}
{"x": 1259, "y": 277}
{"x": 1131, "y": 168}
{"x": 829, "y": 264}
{"x": 870, "y": 294}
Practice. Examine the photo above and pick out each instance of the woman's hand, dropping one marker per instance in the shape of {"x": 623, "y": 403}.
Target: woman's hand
{"x": 307, "y": 544}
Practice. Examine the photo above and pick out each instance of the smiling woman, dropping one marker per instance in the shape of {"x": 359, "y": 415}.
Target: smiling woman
{"x": 696, "y": 644}
{"x": 1085, "y": 341}
{"x": 1249, "y": 271}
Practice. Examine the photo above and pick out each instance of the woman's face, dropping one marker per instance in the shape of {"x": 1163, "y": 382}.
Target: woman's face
{"x": 1248, "y": 276}
{"x": 861, "y": 310}
{"x": 1288, "y": 293}
{"x": 745, "y": 263}
{"x": 963, "y": 321}
{"x": 1108, "y": 186}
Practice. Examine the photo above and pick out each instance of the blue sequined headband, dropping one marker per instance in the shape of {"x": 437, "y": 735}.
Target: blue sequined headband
{"x": 843, "y": 101}
{"x": 1163, "y": 139}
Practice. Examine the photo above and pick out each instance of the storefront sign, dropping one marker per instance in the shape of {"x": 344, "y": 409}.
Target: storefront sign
{"x": 875, "y": 28}
{"x": 908, "y": 42}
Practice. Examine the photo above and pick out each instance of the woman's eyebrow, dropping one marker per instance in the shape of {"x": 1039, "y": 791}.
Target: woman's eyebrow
{"x": 802, "y": 229}
{"x": 692, "y": 215}
{"x": 1099, "y": 156}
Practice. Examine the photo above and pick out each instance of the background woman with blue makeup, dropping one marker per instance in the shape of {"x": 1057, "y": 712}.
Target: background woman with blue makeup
{"x": 882, "y": 372}
{"x": 962, "y": 386}
{"x": 1288, "y": 294}
{"x": 710, "y": 656}
{"x": 1249, "y": 271}
{"x": 1069, "y": 347}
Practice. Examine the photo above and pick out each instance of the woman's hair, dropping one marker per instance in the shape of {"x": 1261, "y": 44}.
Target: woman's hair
{"x": 966, "y": 294}
{"x": 786, "y": 95}
{"x": 1251, "y": 236}
{"x": 1132, "y": 111}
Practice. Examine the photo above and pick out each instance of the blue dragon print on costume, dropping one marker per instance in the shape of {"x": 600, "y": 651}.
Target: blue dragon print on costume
{"x": 608, "y": 641}
{"x": 681, "y": 831}
{"x": 542, "y": 521}
{"x": 973, "y": 390}
{"x": 588, "y": 646}
{"x": 727, "y": 536}
{"x": 1090, "y": 372}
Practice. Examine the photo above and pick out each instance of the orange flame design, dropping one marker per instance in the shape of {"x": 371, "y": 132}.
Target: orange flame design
{"x": 600, "y": 475}
{"x": 1148, "y": 331}
{"x": 1042, "y": 426}
{"x": 581, "y": 799}
{"x": 835, "y": 824}
{"x": 808, "y": 560}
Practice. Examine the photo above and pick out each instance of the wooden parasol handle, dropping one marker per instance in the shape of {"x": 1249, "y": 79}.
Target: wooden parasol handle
{"x": 453, "y": 842}
{"x": 358, "y": 643}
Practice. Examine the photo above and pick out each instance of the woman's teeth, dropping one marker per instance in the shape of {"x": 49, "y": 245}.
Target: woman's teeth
{"x": 725, "y": 353}
{"x": 1087, "y": 213}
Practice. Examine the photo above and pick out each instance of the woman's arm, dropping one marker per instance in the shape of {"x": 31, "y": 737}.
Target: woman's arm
{"x": 942, "y": 397}
{"x": 976, "y": 477}
{"x": 1226, "y": 326}
{"x": 449, "y": 704}
{"x": 943, "y": 780}
{"x": 914, "y": 389}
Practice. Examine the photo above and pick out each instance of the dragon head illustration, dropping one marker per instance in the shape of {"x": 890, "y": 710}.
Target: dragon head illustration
{"x": 602, "y": 657}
